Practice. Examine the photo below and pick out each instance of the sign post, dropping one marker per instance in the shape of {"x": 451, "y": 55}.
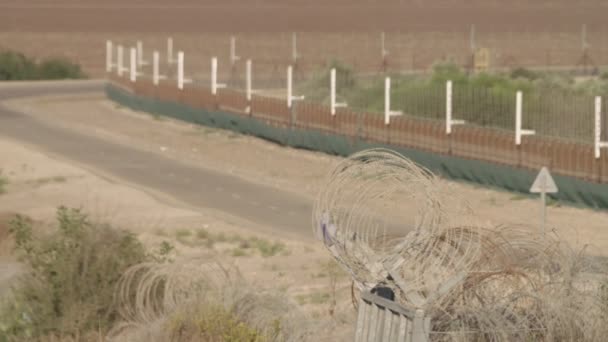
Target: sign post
{"x": 544, "y": 184}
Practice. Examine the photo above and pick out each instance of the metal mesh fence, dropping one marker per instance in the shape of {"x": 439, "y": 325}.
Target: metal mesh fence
{"x": 566, "y": 114}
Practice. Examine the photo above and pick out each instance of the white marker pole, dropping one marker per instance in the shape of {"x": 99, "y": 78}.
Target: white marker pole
{"x": 180, "y": 70}
{"x": 334, "y": 104}
{"x": 170, "y": 59}
{"x": 248, "y": 84}
{"x": 156, "y": 71}
{"x": 140, "y": 54}
{"x": 233, "y": 57}
{"x": 109, "y": 53}
{"x": 449, "y": 122}
{"x": 387, "y": 102}
{"x": 133, "y": 68}
{"x": 248, "y": 80}
{"x": 290, "y": 97}
{"x": 383, "y": 45}
{"x": 214, "y": 84}
{"x": 289, "y": 86}
{"x": 119, "y": 67}
{"x": 598, "y": 143}
{"x": 294, "y": 47}
{"x": 519, "y": 131}
{"x": 448, "y": 107}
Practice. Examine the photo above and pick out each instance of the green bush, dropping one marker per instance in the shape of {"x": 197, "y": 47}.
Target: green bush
{"x": 69, "y": 288}
{"x": 3, "y": 183}
{"x": 59, "y": 68}
{"x": 16, "y": 66}
{"x": 554, "y": 104}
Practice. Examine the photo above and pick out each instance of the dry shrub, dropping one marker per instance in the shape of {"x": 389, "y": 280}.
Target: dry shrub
{"x": 6, "y": 243}
{"x": 71, "y": 275}
{"x": 391, "y": 223}
{"x": 200, "y": 300}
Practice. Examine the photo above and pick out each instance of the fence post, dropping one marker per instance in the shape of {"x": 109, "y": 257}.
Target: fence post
{"x": 598, "y": 143}
{"x": 448, "y": 110}
{"x": 109, "y": 54}
{"x": 214, "y": 84}
{"x": 294, "y": 48}
{"x": 387, "y": 102}
{"x": 519, "y": 131}
{"x": 290, "y": 96}
{"x": 332, "y": 94}
{"x": 233, "y": 57}
{"x": 170, "y": 51}
{"x": 120, "y": 62}
{"x": 248, "y": 85}
{"x": 140, "y": 55}
{"x": 133, "y": 68}
{"x": 156, "y": 76}
{"x": 181, "y": 80}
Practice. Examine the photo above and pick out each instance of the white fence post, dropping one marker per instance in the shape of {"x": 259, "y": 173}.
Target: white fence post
{"x": 248, "y": 84}
{"x": 290, "y": 96}
{"x": 170, "y": 59}
{"x": 233, "y": 57}
{"x": 181, "y": 80}
{"x": 449, "y": 122}
{"x": 214, "y": 84}
{"x": 598, "y": 143}
{"x": 109, "y": 55}
{"x": 383, "y": 45}
{"x": 120, "y": 60}
{"x": 387, "y": 102}
{"x": 248, "y": 80}
{"x": 140, "y": 55}
{"x": 133, "y": 67}
{"x": 294, "y": 48}
{"x": 156, "y": 76}
{"x": 332, "y": 95}
{"x": 519, "y": 131}
{"x": 180, "y": 70}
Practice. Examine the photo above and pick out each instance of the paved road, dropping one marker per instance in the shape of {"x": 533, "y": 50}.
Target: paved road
{"x": 195, "y": 186}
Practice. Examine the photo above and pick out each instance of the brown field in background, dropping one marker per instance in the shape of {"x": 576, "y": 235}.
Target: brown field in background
{"x": 418, "y": 32}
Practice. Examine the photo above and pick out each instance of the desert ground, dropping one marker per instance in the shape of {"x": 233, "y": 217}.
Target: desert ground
{"x": 418, "y": 34}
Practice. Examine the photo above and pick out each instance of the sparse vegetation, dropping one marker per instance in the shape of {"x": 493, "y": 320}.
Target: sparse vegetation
{"x": 199, "y": 300}
{"x": 49, "y": 180}
{"x": 16, "y": 66}
{"x": 72, "y": 274}
{"x": 315, "y": 298}
{"x": 201, "y": 236}
{"x": 483, "y": 99}
{"x": 3, "y": 183}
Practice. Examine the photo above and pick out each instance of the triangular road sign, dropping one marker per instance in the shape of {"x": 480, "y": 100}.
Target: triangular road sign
{"x": 544, "y": 183}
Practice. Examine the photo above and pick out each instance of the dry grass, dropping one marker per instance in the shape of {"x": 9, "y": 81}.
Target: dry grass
{"x": 200, "y": 300}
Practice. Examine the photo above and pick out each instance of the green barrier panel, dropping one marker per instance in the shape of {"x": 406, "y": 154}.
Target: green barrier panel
{"x": 572, "y": 190}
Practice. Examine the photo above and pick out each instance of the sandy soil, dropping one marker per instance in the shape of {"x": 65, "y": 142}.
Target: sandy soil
{"x": 39, "y": 183}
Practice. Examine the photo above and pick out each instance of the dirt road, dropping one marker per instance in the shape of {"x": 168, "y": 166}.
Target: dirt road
{"x": 196, "y": 186}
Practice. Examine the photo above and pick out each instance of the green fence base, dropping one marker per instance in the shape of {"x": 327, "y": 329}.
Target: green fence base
{"x": 571, "y": 190}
